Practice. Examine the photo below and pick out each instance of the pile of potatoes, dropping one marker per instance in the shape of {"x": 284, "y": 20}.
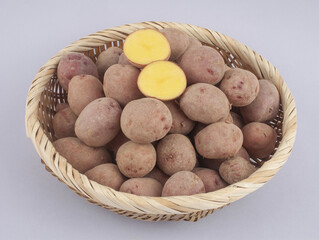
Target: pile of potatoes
{"x": 199, "y": 142}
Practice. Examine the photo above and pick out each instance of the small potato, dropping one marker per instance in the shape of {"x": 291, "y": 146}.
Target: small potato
{"x": 63, "y": 123}
{"x": 120, "y": 83}
{"x": 142, "y": 187}
{"x": 202, "y": 65}
{"x": 236, "y": 169}
{"x": 107, "y": 58}
{"x": 106, "y": 174}
{"x": 240, "y": 86}
{"x": 199, "y": 127}
{"x": 266, "y": 105}
{"x": 123, "y": 60}
{"x": 74, "y": 64}
{"x": 81, "y": 156}
{"x": 146, "y": 120}
{"x": 99, "y": 122}
{"x": 136, "y": 160}
{"x": 158, "y": 175}
{"x": 237, "y": 120}
{"x": 210, "y": 178}
{"x": 229, "y": 119}
{"x": 219, "y": 140}
{"x": 193, "y": 42}
{"x": 83, "y": 89}
{"x": 175, "y": 153}
{"x": 116, "y": 142}
{"x": 204, "y": 103}
{"x": 181, "y": 123}
{"x": 61, "y": 106}
{"x": 259, "y": 139}
{"x": 183, "y": 183}
{"x": 178, "y": 42}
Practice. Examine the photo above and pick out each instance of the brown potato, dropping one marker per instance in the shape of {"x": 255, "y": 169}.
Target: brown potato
{"x": 61, "y": 106}
{"x": 116, "y": 142}
{"x": 123, "y": 60}
{"x": 158, "y": 175}
{"x": 210, "y": 178}
{"x": 106, "y": 59}
{"x": 63, "y": 123}
{"x": 193, "y": 42}
{"x": 199, "y": 127}
{"x": 259, "y": 139}
{"x": 229, "y": 119}
{"x": 237, "y": 120}
{"x": 81, "y": 156}
{"x": 106, "y": 174}
{"x": 99, "y": 122}
{"x": 142, "y": 187}
{"x": 146, "y": 120}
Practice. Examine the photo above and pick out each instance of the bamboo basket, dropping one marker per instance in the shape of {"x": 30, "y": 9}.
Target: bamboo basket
{"x": 45, "y": 93}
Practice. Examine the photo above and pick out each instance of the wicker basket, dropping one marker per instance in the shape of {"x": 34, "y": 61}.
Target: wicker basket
{"x": 45, "y": 93}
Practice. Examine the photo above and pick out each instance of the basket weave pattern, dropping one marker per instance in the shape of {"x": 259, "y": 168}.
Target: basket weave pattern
{"x": 45, "y": 93}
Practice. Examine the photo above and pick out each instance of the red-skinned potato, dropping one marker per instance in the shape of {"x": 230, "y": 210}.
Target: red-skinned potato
{"x": 63, "y": 123}
{"x": 142, "y": 187}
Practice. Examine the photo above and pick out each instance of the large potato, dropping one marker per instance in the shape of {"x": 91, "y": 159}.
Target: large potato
{"x": 107, "y": 58}
{"x": 63, "y": 123}
{"x": 142, "y": 187}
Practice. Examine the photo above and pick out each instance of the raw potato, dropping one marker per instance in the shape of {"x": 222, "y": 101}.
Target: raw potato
{"x": 183, "y": 183}
{"x": 146, "y": 120}
{"x": 210, "y": 178}
{"x": 259, "y": 139}
{"x": 237, "y": 120}
{"x": 74, "y": 64}
{"x": 178, "y": 42}
{"x": 63, "y": 123}
{"x": 61, "y": 106}
{"x": 158, "y": 175}
{"x": 107, "y": 58}
{"x": 106, "y": 174}
{"x": 116, "y": 142}
{"x": 163, "y": 80}
{"x": 136, "y": 160}
{"x": 175, "y": 153}
{"x": 145, "y": 46}
{"x": 236, "y": 169}
{"x": 142, "y": 187}
{"x": 123, "y": 60}
{"x": 229, "y": 119}
{"x": 199, "y": 127}
{"x": 81, "y": 156}
{"x": 99, "y": 122}
{"x": 240, "y": 86}
{"x": 83, "y": 89}
{"x": 202, "y": 65}
{"x": 266, "y": 105}
{"x": 219, "y": 140}
{"x": 205, "y": 103}
{"x": 193, "y": 42}
{"x": 120, "y": 83}
{"x": 181, "y": 123}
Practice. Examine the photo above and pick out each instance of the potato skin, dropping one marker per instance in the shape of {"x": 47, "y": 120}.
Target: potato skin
{"x": 116, "y": 142}
{"x": 237, "y": 120}
{"x": 63, "y": 123}
{"x": 236, "y": 169}
{"x": 210, "y": 178}
{"x": 204, "y": 103}
{"x": 158, "y": 175}
{"x": 266, "y": 105}
{"x": 193, "y": 42}
{"x": 83, "y": 89}
{"x": 106, "y": 59}
{"x": 74, "y": 64}
{"x": 61, "y": 106}
{"x": 219, "y": 140}
{"x": 106, "y": 174}
{"x": 259, "y": 139}
{"x": 240, "y": 86}
{"x": 99, "y": 122}
{"x": 81, "y": 156}
{"x": 120, "y": 83}
{"x": 183, "y": 183}
{"x": 146, "y": 120}
{"x": 202, "y": 65}
{"x": 123, "y": 60}
{"x": 136, "y": 160}
{"x": 142, "y": 187}
{"x": 175, "y": 153}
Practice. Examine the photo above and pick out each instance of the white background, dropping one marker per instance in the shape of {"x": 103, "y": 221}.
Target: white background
{"x": 34, "y": 205}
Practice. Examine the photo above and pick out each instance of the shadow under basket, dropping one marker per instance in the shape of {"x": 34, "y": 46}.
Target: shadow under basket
{"x": 45, "y": 93}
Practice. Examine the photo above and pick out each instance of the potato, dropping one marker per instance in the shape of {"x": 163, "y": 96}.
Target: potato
{"x": 136, "y": 160}
{"x": 116, "y": 142}
{"x": 236, "y": 169}
{"x": 61, "y": 106}
{"x": 158, "y": 175}
{"x": 202, "y": 65}
{"x": 63, "y": 123}
{"x": 180, "y": 122}
{"x": 240, "y": 86}
{"x": 81, "y": 156}
{"x": 175, "y": 153}
{"x": 237, "y": 120}
{"x": 193, "y": 42}
{"x": 183, "y": 183}
{"x": 266, "y": 105}
{"x": 259, "y": 139}
{"x": 120, "y": 83}
{"x": 210, "y": 178}
{"x": 142, "y": 187}
{"x": 219, "y": 140}
{"x": 74, "y": 64}
{"x": 99, "y": 122}
{"x": 123, "y": 60}
{"x": 146, "y": 120}
{"x": 178, "y": 42}
{"x": 199, "y": 127}
{"x": 229, "y": 119}
{"x": 83, "y": 89}
{"x": 107, "y": 58}
{"x": 107, "y": 174}
{"x": 204, "y": 103}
